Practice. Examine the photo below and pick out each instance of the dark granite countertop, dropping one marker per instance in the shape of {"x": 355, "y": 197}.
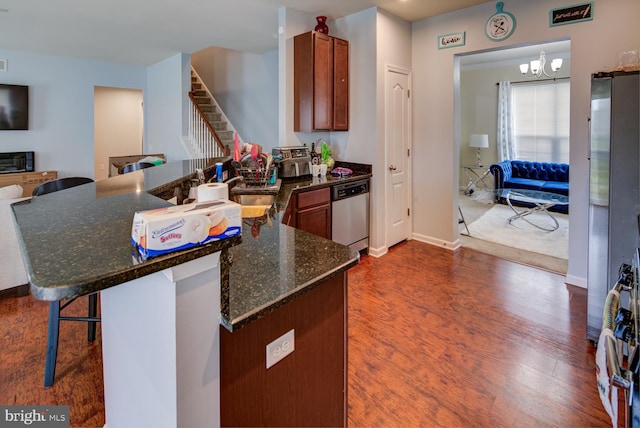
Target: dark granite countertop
{"x": 77, "y": 241}
{"x": 282, "y": 262}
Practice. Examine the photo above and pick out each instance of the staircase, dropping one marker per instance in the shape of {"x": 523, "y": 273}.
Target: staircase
{"x": 212, "y": 112}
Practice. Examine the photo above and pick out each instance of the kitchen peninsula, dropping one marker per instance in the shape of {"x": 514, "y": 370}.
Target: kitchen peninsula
{"x": 167, "y": 361}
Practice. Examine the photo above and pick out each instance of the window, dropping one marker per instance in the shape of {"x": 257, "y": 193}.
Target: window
{"x": 541, "y": 121}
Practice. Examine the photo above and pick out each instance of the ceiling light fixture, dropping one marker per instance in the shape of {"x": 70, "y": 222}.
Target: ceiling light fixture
{"x": 538, "y": 69}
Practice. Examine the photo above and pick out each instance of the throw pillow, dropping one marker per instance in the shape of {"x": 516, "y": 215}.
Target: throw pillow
{"x": 11, "y": 192}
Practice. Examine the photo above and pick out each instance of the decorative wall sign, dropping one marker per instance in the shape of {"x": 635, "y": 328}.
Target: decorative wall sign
{"x": 500, "y": 25}
{"x": 571, "y": 14}
{"x": 451, "y": 40}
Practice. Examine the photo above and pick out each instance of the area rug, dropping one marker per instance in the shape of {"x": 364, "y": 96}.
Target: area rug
{"x": 494, "y": 226}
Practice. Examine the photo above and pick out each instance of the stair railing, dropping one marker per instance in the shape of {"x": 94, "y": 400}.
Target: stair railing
{"x": 217, "y": 106}
{"x": 206, "y": 142}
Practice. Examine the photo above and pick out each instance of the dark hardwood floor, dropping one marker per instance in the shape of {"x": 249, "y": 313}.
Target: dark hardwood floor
{"x": 436, "y": 338}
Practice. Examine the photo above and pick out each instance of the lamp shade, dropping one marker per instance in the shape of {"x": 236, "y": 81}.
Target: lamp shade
{"x": 479, "y": 140}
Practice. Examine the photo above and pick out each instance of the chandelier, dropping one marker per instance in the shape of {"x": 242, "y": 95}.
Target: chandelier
{"x": 538, "y": 68}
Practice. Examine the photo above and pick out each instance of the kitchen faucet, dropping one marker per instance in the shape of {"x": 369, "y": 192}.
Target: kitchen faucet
{"x": 232, "y": 179}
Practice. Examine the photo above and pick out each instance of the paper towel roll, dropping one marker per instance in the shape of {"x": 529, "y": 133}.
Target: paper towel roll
{"x": 212, "y": 191}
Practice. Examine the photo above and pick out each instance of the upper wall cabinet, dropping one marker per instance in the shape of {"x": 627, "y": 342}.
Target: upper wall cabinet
{"x": 321, "y": 83}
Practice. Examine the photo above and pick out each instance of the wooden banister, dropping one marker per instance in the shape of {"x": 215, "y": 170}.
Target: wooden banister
{"x": 224, "y": 149}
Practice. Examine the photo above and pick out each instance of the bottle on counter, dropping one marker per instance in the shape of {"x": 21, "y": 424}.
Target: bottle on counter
{"x": 315, "y": 159}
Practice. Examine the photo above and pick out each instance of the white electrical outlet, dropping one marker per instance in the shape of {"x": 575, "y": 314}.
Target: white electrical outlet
{"x": 280, "y": 348}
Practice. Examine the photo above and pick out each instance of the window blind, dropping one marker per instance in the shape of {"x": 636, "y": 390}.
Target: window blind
{"x": 541, "y": 121}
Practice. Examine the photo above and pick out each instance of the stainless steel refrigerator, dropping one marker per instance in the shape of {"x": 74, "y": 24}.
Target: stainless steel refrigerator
{"x": 614, "y": 176}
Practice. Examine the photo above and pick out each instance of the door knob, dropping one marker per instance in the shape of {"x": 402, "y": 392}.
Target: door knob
{"x": 392, "y": 168}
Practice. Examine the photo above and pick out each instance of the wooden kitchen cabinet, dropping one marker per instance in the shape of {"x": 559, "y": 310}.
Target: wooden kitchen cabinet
{"x": 321, "y": 83}
{"x": 306, "y": 388}
{"x": 310, "y": 211}
{"x": 313, "y": 212}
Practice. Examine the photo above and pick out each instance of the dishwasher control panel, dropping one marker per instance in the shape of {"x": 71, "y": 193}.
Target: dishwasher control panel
{"x": 347, "y": 190}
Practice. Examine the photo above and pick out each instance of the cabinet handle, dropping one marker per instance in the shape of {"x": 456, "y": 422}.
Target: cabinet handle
{"x": 392, "y": 168}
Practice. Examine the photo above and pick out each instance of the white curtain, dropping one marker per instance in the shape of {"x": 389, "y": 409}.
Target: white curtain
{"x": 505, "y": 137}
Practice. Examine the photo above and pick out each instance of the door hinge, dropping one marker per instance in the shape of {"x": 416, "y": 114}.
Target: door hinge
{"x": 408, "y": 212}
{"x": 408, "y": 93}
{"x": 408, "y": 152}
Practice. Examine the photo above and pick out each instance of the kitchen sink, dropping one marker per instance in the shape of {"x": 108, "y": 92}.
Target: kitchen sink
{"x": 254, "y": 205}
{"x": 253, "y": 200}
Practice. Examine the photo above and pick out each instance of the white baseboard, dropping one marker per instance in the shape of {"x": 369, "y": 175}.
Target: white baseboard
{"x": 378, "y": 252}
{"x": 438, "y": 242}
{"x": 578, "y": 281}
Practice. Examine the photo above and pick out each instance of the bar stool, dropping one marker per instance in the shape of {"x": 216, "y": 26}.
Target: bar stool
{"x": 130, "y": 167}
{"x": 57, "y": 306}
{"x": 461, "y": 220}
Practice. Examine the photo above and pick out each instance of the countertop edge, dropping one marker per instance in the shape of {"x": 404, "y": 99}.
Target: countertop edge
{"x": 157, "y": 264}
{"x": 259, "y": 312}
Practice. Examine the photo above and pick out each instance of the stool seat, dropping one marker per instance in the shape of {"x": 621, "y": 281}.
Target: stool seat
{"x": 130, "y": 167}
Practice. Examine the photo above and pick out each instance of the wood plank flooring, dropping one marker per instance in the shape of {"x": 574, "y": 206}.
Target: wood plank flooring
{"x": 436, "y": 338}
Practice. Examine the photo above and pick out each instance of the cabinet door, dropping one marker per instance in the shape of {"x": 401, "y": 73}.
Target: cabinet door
{"x": 340, "y": 85}
{"x": 322, "y": 82}
{"x": 316, "y": 220}
{"x": 313, "y": 212}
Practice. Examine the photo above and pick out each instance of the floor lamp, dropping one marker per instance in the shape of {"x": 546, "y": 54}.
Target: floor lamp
{"x": 479, "y": 141}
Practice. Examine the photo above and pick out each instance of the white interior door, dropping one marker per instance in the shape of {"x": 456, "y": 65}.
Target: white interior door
{"x": 397, "y": 126}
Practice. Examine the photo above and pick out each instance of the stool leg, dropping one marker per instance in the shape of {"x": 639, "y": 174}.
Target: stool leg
{"x": 93, "y": 312}
{"x": 462, "y": 220}
{"x": 52, "y": 343}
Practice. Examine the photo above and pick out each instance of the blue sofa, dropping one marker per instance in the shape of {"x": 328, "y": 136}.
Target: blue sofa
{"x": 547, "y": 177}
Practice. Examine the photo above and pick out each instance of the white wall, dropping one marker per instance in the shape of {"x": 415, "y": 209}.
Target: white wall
{"x": 595, "y": 46}
{"x": 291, "y": 23}
{"x": 166, "y": 107}
{"x": 245, "y": 86}
{"x": 61, "y": 107}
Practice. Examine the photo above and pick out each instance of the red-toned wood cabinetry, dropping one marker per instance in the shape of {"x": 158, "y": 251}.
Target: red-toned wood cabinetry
{"x": 306, "y": 388}
{"x": 313, "y": 213}
{"x": 310, "y": 211}
{"x": 321, "y": 83}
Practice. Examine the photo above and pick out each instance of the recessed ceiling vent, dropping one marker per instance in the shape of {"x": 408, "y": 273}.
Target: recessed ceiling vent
{"x": 3, "y": 65}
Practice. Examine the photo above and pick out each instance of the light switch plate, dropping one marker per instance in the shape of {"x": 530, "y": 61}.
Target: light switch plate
{"x": 280, "y": 348}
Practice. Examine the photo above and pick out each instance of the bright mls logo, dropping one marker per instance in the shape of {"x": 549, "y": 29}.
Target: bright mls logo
{"x": 34, "y": 416}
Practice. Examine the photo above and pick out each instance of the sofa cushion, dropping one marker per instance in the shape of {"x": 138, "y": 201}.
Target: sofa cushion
{"x": 11, "y": 192}
{"x": 560, "y": 187}
{"x": 12, "y": 269}
{"x": 523, "y": 183}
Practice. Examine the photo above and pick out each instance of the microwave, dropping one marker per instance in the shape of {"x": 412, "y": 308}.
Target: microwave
{"x": 13, "y": 162}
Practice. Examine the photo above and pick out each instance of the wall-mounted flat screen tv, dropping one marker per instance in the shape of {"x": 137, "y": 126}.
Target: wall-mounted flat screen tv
{"x": 14, "y": 107}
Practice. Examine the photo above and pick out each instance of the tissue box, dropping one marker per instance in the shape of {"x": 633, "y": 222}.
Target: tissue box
{"x": 179, "y": 227}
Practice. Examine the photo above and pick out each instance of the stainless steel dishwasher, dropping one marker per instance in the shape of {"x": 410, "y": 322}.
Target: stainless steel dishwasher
{"x": 350, "y": 214}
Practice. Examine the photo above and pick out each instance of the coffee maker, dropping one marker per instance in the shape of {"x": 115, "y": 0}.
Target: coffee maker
{"x": 295, "y": 161}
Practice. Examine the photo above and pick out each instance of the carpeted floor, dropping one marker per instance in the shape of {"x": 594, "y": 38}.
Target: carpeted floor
{"x": 473, "y": 208}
